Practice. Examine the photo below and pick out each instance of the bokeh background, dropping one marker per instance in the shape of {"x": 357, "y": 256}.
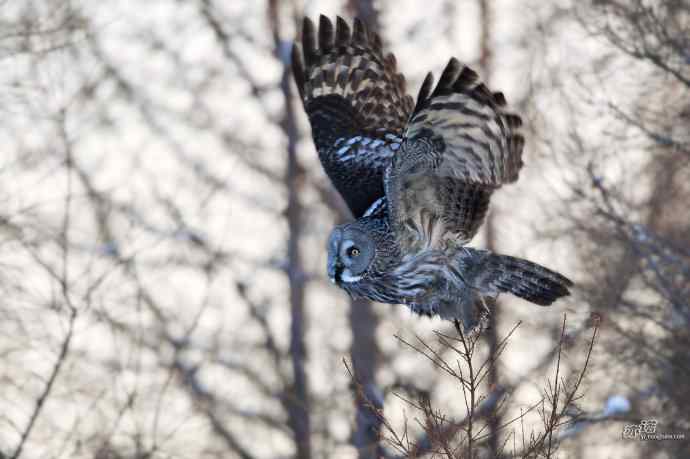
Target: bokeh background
{"x": 163, "y": 218}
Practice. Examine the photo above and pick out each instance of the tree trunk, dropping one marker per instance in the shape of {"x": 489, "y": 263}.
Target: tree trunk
{"x": 485, "y": 55}
{"x": 364, "y": 351}
{"x": 298, "y": 394}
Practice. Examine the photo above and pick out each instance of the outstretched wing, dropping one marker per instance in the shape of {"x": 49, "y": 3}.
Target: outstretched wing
{"x": 460, "y": 145}
{"x": 356, "y": 104}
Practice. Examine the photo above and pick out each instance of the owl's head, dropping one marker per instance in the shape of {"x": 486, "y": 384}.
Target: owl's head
{"x": 351, "y": 251}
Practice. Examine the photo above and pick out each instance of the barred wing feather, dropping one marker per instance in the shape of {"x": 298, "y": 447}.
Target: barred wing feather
{"x": 460, "y": 145}
{"x": 356, "y": 104}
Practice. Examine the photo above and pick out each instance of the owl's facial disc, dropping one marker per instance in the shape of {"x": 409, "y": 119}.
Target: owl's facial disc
{"x": 350, "y": 252}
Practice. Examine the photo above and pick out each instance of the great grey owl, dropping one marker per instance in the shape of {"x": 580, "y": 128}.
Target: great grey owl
{"x": 417, "y": 177}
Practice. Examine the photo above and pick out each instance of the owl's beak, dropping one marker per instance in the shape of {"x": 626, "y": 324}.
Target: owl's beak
{"x": 335, "y": 269}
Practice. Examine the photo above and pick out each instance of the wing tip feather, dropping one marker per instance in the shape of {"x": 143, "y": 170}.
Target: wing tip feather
{"x": 342, "y": 32}
{"x": 326, "y": 37}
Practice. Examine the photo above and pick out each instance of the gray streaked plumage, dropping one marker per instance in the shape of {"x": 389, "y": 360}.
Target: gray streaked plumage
{"x": 418, "y": 180}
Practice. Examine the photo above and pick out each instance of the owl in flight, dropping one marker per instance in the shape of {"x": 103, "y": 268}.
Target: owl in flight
{"x": 417, "y": 177}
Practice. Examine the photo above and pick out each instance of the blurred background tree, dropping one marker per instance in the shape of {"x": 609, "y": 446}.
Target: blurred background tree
{"x": 164, "y": 217}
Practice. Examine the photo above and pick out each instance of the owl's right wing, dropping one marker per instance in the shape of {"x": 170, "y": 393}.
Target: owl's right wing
{"x": 356, "y": 104}
{"x": 460, "y": 145}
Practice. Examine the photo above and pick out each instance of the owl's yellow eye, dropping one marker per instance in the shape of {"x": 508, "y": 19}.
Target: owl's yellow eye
{"x": 353, "y": 252}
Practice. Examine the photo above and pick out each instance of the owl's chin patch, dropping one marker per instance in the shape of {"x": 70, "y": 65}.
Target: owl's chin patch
{"x": 347, "y": 276}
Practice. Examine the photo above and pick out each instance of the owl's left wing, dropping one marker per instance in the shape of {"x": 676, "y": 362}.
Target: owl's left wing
{"x": 460, "y": 145}
{"x": 356, "y": 104}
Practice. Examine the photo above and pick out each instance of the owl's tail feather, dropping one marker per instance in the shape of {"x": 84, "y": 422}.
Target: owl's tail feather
{"x": 523, "y": 278}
